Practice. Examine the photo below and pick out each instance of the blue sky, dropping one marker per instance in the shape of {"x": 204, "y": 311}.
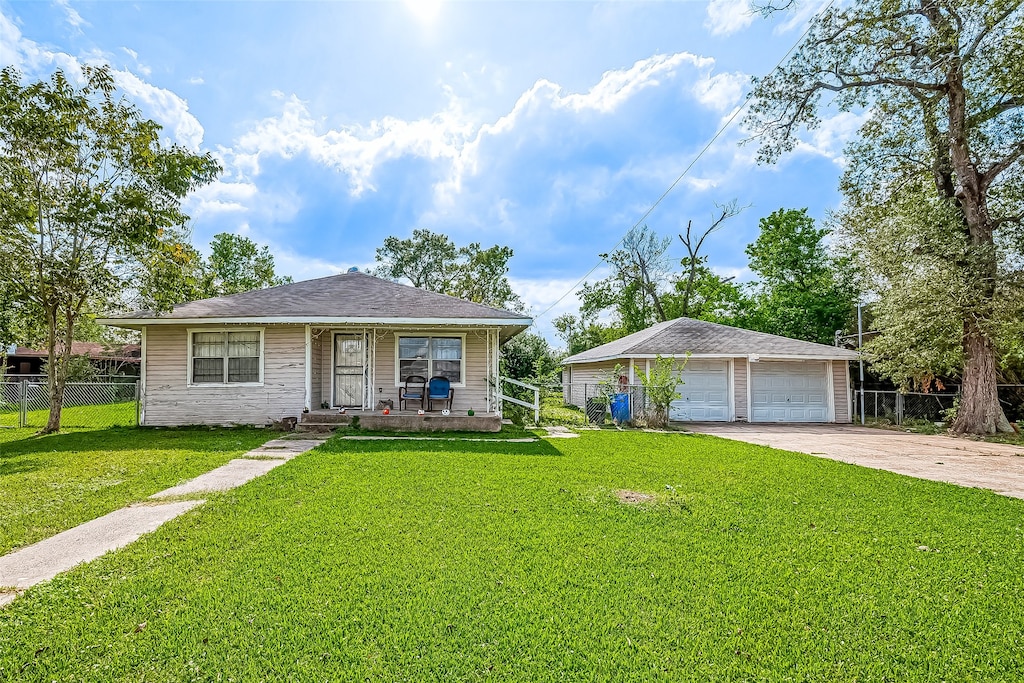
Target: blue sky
{"x": 547, "y": 127}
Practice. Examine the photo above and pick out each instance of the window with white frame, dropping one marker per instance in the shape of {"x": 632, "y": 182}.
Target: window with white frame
{"x": 429, "y": 357}
{"x": 226, "y": 357}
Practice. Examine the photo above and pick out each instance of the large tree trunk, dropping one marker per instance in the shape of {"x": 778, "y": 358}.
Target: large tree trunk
{"x": 980, "y": 412}
{"x": 56, "y": 374}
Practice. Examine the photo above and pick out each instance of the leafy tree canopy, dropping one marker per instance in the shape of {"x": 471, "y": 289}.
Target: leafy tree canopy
{"x": 529, "y": 357}
{"x": 86, "y": 189}
{"x": 803, "y": 292}
{"x": 432, "y": 261}
{"x": 943, "y": 81}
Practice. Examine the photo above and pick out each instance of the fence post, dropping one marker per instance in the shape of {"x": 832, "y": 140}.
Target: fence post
{"x": 536, "y": 406}
{"x": 138, "y": 405}
{"x": 899, "y": 408}
{"x": 23, "y": 404}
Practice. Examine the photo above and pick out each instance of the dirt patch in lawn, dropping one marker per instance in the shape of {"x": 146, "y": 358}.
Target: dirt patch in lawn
{"x": 633, "y": 497}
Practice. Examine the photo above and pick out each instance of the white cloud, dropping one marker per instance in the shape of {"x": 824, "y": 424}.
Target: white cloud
{"x": 829, "y": 138}
{"x": 728, "y": 16}
{"x": 221, "y": 197}
{"x": 196, "y": 80}
{"x": 74, "y": 18}
{"x": 721, "y": 91}
{"x": 164, "y": 106}
{"x": 303, "y": 267}
{"x": 617, "y": 86}
{"x": 450, "y": 136}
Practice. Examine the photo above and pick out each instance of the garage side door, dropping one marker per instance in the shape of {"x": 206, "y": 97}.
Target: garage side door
{"x": 704, "y": 392}
{"x": 789, "y": 392}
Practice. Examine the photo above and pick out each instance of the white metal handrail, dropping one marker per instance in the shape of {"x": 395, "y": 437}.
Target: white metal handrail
{"x": 536, "y": 396}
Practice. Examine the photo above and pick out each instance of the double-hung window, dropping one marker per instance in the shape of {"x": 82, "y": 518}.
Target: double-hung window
{"x": 429, "y": 357}
{"x": 226, "y": 357}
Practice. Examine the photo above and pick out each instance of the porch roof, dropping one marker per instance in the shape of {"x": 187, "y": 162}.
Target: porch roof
{"x": 349, "y": 298}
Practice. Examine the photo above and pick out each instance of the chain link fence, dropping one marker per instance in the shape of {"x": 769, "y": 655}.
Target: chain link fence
{"x": 582, "y": 404}
{"x": 897, "y": 407}
{"x": 86, "y": 404}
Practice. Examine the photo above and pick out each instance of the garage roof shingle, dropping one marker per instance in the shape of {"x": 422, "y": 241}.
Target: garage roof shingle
{"x": 686, "y": 335}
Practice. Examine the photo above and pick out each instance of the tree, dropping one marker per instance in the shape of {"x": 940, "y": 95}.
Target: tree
{"x": 237, "y": 264}
{"x": 693, "y": 263}
{"x": 582, "y": 332}
{"x": 945, "y": 85}
{"x": 173, "y": 272}
{"x": 703, "y": 294}
{"x": 640, "y": 273}
{"x": 86, "y": 187}
{"x": 528, "y": 356}
{"x": 661, "y": 387}
{"x": 432, "y": 261}
{"x": 803, "y": 292}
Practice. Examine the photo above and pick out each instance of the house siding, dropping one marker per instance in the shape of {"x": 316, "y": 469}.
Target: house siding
{"x": 739, "y": 390}
{"x": 385, "y": 386}
{"x": 841, "y": 390}
{"x": 170, "y": 401}
{"x": 585, "y": 378}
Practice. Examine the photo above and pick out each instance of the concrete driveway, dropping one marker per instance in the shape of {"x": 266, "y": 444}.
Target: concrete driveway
{"x": 998, "y": 467}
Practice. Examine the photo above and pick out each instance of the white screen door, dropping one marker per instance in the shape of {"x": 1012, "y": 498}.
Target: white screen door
{"x": 349, "y": 370}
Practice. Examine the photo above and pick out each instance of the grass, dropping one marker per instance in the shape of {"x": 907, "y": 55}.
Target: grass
{"x": 507, "y": 432}
{"x": 52, "y": 483}
{"x": 437, "y": 561}
{"x": 932, "y": 428}
{"x": 99, "y": 416}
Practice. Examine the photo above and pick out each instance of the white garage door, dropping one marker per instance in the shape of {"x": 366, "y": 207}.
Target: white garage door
{"x": 705, "y": 392}
{"x": 789, "y": 392}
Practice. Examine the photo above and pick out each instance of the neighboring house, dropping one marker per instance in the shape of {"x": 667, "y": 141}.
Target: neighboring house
{"x": 732, "y": 374}
{"x": 347, "y": 340}
{"x": 121, "y": 359}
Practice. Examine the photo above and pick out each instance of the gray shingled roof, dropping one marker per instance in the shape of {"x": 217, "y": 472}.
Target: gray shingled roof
{"x": 677, "y": 337}
{"x": 349, "y": 295}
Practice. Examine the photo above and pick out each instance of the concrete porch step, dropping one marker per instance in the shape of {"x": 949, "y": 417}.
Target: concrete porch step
{"x": 323, "y": 421}
{"x": 317, "y": 427}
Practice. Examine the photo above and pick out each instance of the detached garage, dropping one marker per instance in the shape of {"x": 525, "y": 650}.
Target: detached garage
{"x": 732, "y": 374}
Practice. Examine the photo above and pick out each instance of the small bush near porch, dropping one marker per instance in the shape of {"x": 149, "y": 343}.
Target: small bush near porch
{"x": 612, "y": 556}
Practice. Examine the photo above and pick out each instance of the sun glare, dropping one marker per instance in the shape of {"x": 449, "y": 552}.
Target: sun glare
{"x": 424, "y": 10}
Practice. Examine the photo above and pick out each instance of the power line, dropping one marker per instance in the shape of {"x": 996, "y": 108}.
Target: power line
{"x": 687, "y": 169}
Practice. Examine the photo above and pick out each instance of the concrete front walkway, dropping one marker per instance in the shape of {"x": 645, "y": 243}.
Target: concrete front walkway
{"x": 42, "y": 561}
{"x": 999, "y": 467}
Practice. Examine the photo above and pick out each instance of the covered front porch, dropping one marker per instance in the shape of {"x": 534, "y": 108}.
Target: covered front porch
{"x": 398, "y": 421}
{"x": 363, "y": 368}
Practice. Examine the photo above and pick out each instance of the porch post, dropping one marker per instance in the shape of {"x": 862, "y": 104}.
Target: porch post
{"x": 496, "y": 361}
{"x": 142, "y": 379}
{"x": 309, "y": 369}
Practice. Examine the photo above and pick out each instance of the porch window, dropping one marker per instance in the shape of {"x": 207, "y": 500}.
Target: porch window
{"x": 429, "y": 357}
{"x": 226, "y": 357}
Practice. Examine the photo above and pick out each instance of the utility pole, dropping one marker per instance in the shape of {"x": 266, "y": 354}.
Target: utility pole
{"x": 860, "y": 350}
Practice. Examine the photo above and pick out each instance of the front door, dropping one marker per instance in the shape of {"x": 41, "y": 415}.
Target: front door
{"x": 349, "y": 370}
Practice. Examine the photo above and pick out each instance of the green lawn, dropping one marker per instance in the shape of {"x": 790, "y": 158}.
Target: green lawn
{"x": 52, "y": 483}
{"x": 99, "y": 416}
{"x": 454, "y": 561}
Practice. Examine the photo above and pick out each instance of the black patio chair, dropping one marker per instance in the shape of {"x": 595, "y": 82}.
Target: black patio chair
{"x": 415, "y": 390}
